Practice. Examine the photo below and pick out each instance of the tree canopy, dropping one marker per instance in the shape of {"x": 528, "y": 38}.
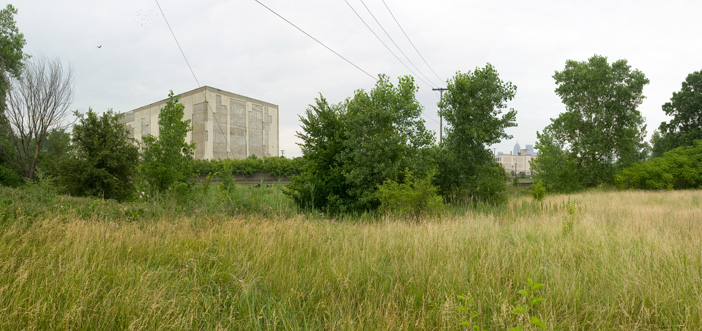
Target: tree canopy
{"x": 11, "y": 44}
{"x": 103, "y": 161}
{"x": 601, "y": 129}
{"x": 354, "y": 146}
{"x": 166, "y": 159}
{"x": 473, "y": 108}
{"x": 685, "y": 107}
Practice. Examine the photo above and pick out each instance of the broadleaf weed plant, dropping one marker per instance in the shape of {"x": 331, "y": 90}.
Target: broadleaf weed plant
{"x": 529, "y": 295}
{"x": 572, "y": 209}
{"x": 471, "y": 314}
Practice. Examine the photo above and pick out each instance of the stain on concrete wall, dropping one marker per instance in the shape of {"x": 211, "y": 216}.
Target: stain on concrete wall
{"x": 199, "y": 133}
{"x": 256, "y": 130}
{"x": 237, "y": 127}
{"x": 219, "y": 127}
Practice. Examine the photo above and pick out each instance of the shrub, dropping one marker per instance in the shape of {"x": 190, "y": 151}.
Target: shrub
{"x": 679, "y": 168}
{"x": 103, "y": 161}
{"x": 9, "y": 177}
{"x": 413, "y": 198}
{"x": 538, "y": 191}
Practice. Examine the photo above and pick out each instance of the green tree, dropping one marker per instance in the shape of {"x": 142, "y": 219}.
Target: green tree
{"x": 473, "y": 108}
{"x": 678, "y": 168}
{"x": 103, "y": 162}
{"x": 686, "y": 109}
{"x": 601, "y": 129}
{"x": 166, "y": 159}
{"x": 554, "y": 167}
{"x": 353, "y": 147}
{"x": 55, "y": 149}
{"x": 11, "y": 44}
{"x": 11, "y": 63}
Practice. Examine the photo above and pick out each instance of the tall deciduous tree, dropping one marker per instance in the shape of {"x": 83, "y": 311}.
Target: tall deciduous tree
{"x": 11, "y": 62}
{"x": 167, "y": 158}
{"x": 11, "y": 55}
{"x": 601, "y": 129}
{"x": 103, "y": 162}
{"x": 686, "y": 109}
{"x": 38, "y": 101}
{"x": 355, "y": 146}
{"x": 473, "y": 108}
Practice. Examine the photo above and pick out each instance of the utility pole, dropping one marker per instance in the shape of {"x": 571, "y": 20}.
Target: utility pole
{"x": 441, "y": 119}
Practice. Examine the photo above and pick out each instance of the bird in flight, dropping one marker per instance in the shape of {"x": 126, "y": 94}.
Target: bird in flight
{"x": 99, "y": 46}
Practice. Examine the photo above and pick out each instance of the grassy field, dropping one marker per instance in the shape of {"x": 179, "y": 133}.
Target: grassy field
{"x": 630, "y": 261}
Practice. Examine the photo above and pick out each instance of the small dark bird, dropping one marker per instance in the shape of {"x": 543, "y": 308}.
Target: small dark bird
{"x": 99, "y": 46}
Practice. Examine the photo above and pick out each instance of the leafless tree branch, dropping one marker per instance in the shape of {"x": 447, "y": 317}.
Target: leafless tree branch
{"x": 37, "y": 102}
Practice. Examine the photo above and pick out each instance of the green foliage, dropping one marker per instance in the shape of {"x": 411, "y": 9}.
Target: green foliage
{"x": 353, "y": 147}
{"x": 167, "y": 159}
{"x": 471, "y": 314}
{"x": 679, "y": 168}
{"x": 538, "y": 191}
{"x": 529, "y": 296}
{"x": 472, "y": 106}
{"x": 554, "y": 167}
{"x": 103, "y": 162}
{"x": 413, "y": 197}
{"x": 9, "y": 176}
{"x": 569, "y": 219}
{"x": 685, "y": 108}
{"x": 601, "y": 130}
{"x": 56, "y": 147}
{"x": 274, "y": 166}
{"x": 11, "y": 55}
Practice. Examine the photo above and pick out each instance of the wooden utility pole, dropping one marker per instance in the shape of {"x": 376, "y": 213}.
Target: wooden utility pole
{"x": 441, "y": 119}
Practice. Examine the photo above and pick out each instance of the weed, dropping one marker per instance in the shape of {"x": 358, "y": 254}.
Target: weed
{"x": 531, "y": 299}
{"x": 471, "y": 314}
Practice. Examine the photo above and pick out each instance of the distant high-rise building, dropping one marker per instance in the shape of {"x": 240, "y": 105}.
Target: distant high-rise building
{"x": 518, "y": 161}
{"x": 530, "y": 148}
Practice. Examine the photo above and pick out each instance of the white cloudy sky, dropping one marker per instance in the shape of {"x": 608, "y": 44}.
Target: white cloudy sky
{"x": 239, "y": 46}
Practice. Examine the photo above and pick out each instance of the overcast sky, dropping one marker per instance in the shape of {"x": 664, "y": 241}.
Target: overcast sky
{"x": 241, "y": 47}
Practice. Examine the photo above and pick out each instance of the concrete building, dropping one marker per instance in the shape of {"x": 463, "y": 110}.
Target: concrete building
{"x": 516, "y": 163}
{"x": 225, "y": 125}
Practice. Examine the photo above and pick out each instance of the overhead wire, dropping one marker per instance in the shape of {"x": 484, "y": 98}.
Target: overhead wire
{"x": 382, "y": 42}
{"x": 394, "y": 43}
{"x": 337, "y": 54}
{"x": 221, "y": 131}
{"x": 315, "y": 39}
{"x": 410, "y": 41}
{"x": 283, "y": 18}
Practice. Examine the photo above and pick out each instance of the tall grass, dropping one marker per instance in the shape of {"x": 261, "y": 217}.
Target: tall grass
{"x": 632, "y": 261}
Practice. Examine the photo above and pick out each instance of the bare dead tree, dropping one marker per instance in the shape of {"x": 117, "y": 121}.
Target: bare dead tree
{"x": 37, "y": 102}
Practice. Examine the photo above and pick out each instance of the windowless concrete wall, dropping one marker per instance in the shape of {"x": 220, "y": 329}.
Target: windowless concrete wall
{"x": 225, "y": 125}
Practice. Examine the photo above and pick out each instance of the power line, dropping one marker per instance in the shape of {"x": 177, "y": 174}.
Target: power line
{"x": 177, "y": 43}
{"x": 193, "y": 72}
{"x": 394, "y": 43}
{"x": 382, "y": 42}
{"x": 315, "y": 39}
{"x": 339, "y": 55}
{"x": 410, "y": 41}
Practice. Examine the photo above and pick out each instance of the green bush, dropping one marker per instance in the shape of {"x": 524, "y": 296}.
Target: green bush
{"x": 679, "y": 168}
{"x": 103, "y": 161}
{"x": 538, "y": 191}
{"x": 413, "y": 198}
{"x": 274, "y": 166}
{"x": 9, "y": 177}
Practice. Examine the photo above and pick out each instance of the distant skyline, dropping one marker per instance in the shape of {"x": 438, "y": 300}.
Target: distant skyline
{"x": 124, "y": 56}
